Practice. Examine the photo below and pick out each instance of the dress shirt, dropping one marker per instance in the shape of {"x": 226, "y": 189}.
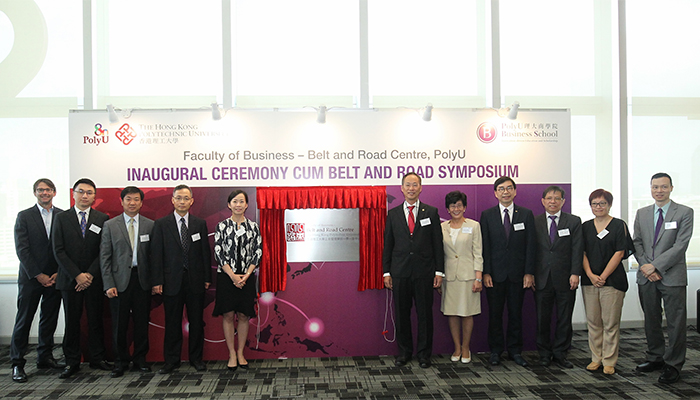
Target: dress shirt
{"x": 47, "y": 216}
{"x": 415, "y": 209}
{"x": 549, "y": 220}
{"x": 87, "y": 215}
{"x": 178, "y": 217}
{"x": 664, "y": 210}
{"x": 510, "y": 208}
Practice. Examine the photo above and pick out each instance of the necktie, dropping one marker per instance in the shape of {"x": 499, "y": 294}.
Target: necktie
{"x": 185, "y": 242}
{"x": 506, "y": 223}
{"x": 132, "y": 235}
{"x": 553, "y": 228}
{"x": 659, "y": 224}
{"x": 411, "y": 219}
{"x": 83, "y": 222}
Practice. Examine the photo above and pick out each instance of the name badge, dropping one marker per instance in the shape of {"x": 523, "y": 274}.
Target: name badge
{"x": 670, "y": 225}
{"x": 196, "y": 237}
{"x": 425, "y": 222}
{"x": 145, "y": 238}
{"x": 95, "y": 229}
{"x": 564, "y": 232}
{"x": 467, "y": 230}
{"x": 520, "y": 226}
{"x": 240, "y": 232}
{"x": 603, "y": 234}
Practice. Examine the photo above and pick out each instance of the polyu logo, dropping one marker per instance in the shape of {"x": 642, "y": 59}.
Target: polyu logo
{"x": 125, "y": 134}
{"x": 101, "y": 136}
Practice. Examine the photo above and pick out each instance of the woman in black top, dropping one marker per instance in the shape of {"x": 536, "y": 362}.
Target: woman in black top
{"x": 605, "y": 280}
{"x": 238, "y": 249}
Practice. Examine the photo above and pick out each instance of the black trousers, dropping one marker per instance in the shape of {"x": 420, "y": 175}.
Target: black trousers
{"x": 174, "y": 305}
{"x": 406, "y": 291}
{"x": 502, "y": 294}
{"x": 134, "y": 304}
{"x": 545, "y": 300}
{"x": 93, "y": 300}
{"x": 29, "y": 295}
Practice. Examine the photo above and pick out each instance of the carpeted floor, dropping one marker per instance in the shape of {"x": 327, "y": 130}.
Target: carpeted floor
{"x": 372, "y": 378}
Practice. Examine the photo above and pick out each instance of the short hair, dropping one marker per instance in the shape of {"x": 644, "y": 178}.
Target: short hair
{"x": 420, "y": 181}
{"x": 454, "y": 197}
{"x": 84, "y": 181}
{"x": 236, "y": 193}
{"x": 46, "y": 181}
{"x": 598, "y": 193}
{"x": 662, "y": 175}
{"x": 132, "y": 190}
{"x": 554, "y": 188}
{"x": 182, "y": 187}
{"x": 503, "y": 179}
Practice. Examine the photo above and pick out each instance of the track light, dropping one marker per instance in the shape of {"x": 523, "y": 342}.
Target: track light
{"x": 321, "y": 114}
{"x": 428, "y": 112}
{"x": 113, "y": 118}
{"x": 215, "y": 112}
{"x": 513, "y": 113}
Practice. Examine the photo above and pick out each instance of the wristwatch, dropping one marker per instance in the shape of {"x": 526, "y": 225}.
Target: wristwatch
{"x": 478, "y": 280}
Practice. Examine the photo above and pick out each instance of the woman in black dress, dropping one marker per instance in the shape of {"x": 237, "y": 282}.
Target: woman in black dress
{"x": 238, "y": 249}
{"x": 605, "y": 280}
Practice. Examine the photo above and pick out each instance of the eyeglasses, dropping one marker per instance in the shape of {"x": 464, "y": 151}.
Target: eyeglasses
{"x": 502, "y": 189}
{"x": 601, "y": 204}
{"x": 44, "y": 190}
{"x": 182, "y": 198}
{"x": 87, "y": 192}
{"x": 455, "y": 206}
{"x": 553, "y": 198}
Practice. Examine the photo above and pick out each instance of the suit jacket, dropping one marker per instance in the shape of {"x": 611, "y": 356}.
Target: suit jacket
{"x": 34, "y": 247}
{"x": 77, "y": 254}
{"x": 116, "y": 253}
{"x": 463, "y": 258}
{"x": 564, "y": 257}
{"x": 416, "y": 256}
{"x": 167, "y": 262}
{"x": 513, "y": 257}
{"x": 671, "y": 245}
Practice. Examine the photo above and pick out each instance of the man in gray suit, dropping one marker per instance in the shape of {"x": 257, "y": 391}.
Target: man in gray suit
{"x": 662, "y": 232}
{"x": 124, "y": 253}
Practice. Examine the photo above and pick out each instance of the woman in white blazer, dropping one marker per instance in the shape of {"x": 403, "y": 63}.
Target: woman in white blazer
{"x": 461, "y": 287}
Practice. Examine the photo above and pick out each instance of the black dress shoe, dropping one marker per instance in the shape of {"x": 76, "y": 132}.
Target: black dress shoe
{"x": 495, "y": 359}
{"x": 69, "y": 371}
{"x": 18, "y": 374}
{"x": 401, "y": 361}
{"x": 116, "y": 372}
{"x": 140, "y": 367}
{"x": 243, "y": 366}
{"x": 670, "y": 375}
{"x": 199, "y": 366}
{"x": 50, "y": 363}
{"x": 563, "y": 362}
{"x": 103, "y": 365}
{"x": 544, "y": 361}
{"x": 168, "y": 368}
{"x": 650, "y": 366}
{"x": 518, "y": 359}
{"x": 424, "y": 363}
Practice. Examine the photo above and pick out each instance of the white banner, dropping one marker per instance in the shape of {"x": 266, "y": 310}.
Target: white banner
{"x": 163, "y": 148}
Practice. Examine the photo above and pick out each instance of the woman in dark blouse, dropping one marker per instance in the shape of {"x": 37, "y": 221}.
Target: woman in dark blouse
{"x": 238, "y": 249}
{"x": 605, "y": 280}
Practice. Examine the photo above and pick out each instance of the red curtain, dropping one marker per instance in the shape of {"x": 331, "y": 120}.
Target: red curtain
{"x": 272, "y": 201}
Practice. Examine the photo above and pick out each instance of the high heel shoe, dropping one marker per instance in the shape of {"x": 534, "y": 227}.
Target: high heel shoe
{"x": 233, "y": 368}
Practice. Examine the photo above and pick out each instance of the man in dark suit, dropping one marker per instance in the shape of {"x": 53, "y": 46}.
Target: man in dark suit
{"x": 181, "y": 268}
{"x": 557, "y": 269}
{"x": 77, "y": 233}
{"x": 36, "y": 281}
{"x": 413, "y": 264}
{"x": 662, "y": 232}
{"x": 124, "y": 260}
{"x": 509, "y": 243}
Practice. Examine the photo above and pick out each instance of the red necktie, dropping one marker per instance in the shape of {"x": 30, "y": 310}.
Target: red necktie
{"x": 411, "y": 220}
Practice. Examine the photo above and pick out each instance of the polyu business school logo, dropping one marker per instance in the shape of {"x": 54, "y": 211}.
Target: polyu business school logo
{"x": 486, "y": 132}
{"x": 124, "y": 134}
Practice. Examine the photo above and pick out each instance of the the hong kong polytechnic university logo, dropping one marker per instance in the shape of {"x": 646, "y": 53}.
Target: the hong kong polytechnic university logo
{"x": 124, "y": 134}
{"x": 295, "y": 232}
{"x": 487, "y": 132}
